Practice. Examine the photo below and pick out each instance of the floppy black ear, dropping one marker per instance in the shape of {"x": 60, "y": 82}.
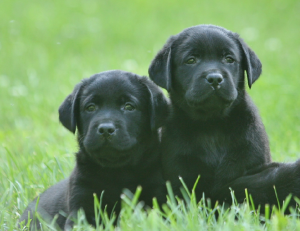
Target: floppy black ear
{"x": 160, "y": 106}
{"x": 160, "y": 67}
{"x": 67, "y": 110}
{"x": 252, "y": 63}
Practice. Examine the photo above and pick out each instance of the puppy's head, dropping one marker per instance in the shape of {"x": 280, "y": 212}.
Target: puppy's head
{"x": 117, "y": 114}
{"x": 203, "y": 69}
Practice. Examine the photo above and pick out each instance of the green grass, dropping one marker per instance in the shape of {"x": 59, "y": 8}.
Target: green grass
{"x": 46, "y": 47}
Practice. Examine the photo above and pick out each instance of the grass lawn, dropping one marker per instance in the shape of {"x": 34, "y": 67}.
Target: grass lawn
{"x": 46, "y": 47}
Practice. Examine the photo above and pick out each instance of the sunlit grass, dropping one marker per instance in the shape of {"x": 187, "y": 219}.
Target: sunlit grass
{"x": 190, "y": 214}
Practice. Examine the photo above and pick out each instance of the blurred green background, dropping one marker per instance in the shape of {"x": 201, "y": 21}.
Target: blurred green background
{"x": 46, "y": 47}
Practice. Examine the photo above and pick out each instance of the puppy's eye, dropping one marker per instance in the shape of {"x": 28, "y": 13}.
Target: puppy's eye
{"x": 229, "y": 60}
{"x": 129, "y": 107}
{"x": 90, "y": 108}
{"x": 191, "y": 61}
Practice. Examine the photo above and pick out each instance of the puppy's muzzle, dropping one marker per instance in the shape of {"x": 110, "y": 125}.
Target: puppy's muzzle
{"x": 215, "y": 80}
{"x": 106, "y": 130}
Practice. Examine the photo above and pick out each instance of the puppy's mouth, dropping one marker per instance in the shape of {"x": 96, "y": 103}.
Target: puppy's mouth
{"x": 210, "y": 97}
{"x": 107, "y": 155}
{"x": 211, "y": 104}
{"x": 110, "y": 157}
{"x": 195, "y": 104}
{"x": 123, "y": 145}
{"x": 113, "y": 160}
{"x": 96, "y": 145}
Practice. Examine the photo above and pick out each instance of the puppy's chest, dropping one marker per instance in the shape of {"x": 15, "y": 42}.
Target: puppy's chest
{"x": 211, "y": 148}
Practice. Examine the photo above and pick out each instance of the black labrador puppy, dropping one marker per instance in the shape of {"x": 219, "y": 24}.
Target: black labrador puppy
{"x": 117, "y": 115}
{"x": 215, "y": 130}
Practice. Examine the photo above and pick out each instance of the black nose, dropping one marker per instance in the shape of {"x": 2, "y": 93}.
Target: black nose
{"x": 106, "y": 129}
{"x": 214, "y": 79}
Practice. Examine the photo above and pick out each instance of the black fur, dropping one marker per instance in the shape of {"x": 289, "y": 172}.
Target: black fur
{"x": 117, "y": 115}
{"x": 215, "y": 130}
{"x": 269, "y": 184}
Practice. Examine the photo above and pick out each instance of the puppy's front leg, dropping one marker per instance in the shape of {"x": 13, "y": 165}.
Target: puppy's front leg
{"x": 228, "y": 170}
{"x": 70, "y": 220}
{"x": 79, "y": 197}
{"x": 285, "y": 177}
